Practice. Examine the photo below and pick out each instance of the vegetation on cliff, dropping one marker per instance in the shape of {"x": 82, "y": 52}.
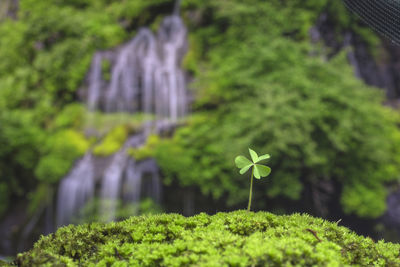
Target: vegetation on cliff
{"x": 45, "y": 53}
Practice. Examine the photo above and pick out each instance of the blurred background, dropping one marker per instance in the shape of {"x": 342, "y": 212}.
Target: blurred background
{"x": 110, "y": 109}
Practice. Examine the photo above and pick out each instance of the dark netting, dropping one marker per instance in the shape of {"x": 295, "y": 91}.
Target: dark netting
{"x": 382, "y": 15}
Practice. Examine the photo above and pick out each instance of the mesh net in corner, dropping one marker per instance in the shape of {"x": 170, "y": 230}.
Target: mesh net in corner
{"x": 381, "y": 15}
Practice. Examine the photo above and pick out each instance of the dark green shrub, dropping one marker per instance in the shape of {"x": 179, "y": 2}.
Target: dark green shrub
{"x": 265, "y": 86}
{"x": 318, "y": 121}
{"x": 226, "y": 239}
{"x": 59, "y": 154}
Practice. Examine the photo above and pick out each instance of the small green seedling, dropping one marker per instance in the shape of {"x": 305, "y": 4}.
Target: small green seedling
{"x": 257, "y": 171}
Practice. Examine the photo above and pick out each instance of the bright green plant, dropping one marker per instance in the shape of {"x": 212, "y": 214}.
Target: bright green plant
{"x": 257, "y": 170}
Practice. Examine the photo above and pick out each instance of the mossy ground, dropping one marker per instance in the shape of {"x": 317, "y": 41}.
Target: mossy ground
{"x": 238, "y": 238}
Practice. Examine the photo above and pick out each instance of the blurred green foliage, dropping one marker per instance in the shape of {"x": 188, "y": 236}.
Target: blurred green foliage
{"x": 20, "y": 141}
{"x": 257, "y": 80}
{"x": 265, "y": 86}
{"x": 59, "y": 153}
{"x": 238, "y": 238}
{"x": 112, "y": 142}
{"x": 147, "y": 150}
{"x": 40, "y": 198}
{"x": 44, "y": 56}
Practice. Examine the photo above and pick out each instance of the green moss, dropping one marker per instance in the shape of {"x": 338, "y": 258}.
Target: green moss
{"x": 4, "y": 264}
{"x": 147, "y": 150}
{"x": 103, "y": 123}
{"x": 112, "y": 142}
{"x": 226, "y": 239}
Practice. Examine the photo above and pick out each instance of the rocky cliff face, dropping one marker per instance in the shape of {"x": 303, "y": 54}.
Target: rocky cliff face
{"x": 381, "y": 69}
{"x": 8, "y": 8}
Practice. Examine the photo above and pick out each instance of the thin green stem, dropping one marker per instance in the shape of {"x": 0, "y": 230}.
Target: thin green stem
{"x": 251, "y": 188}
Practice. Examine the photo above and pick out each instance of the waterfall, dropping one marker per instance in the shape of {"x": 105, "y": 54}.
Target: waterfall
{"x": 351, "y": 55}
{"x": 143, "y": 75}
{"x": 75, "y": 189}
{"x": 111, "y": 184}
{"x": 133, "y": 183}
{"x": 113, "y": 178}
{"x": 124, "y": 178}
{"x": 135, "y": 172}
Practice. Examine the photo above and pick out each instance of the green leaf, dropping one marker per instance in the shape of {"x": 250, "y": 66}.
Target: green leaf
{"x": 253, "y": 155}
{"x": 256, "y": 172}
{"x": 266, "y": 156}
{"x": 242, "y": 162}
{"x": 262, "y": 170}
{"x": 245, "y": 169}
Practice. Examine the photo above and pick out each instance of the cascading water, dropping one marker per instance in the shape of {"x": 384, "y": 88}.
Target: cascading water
{"x": 113, "y": 178}
{"x": 135, "y": 172}
{"x": 75, "y": 190}
{"x": 110, "y": 185}
{"x": 145, "y": 77}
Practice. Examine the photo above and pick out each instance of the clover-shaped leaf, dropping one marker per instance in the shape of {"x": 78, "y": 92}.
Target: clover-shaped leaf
{"x": 261, "y": 171}
{"x": 253, "y": 155}
{"x": 245, "y": 164}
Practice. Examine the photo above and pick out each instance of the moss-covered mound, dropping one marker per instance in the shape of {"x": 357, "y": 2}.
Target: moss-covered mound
{"x": 226, "y": 239}
{"x": 3, "y": 263}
